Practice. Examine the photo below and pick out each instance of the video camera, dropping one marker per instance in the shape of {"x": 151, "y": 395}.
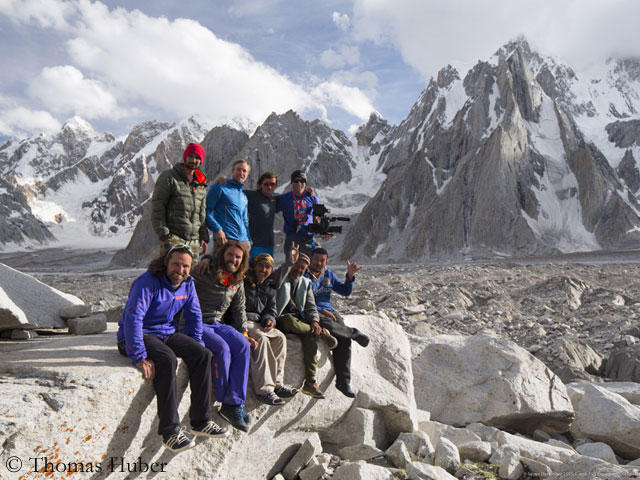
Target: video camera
{"x": 323, "y": 227}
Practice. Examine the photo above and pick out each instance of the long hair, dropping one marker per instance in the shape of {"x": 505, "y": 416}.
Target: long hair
{"x": 157, "y": 266}
{"x": 218, "y": 262}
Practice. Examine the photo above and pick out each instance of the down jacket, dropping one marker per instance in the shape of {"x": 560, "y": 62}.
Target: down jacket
{"x": 178, "y": 206}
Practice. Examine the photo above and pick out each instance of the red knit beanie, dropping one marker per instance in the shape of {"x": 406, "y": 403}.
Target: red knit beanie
{"x": 194, "y": 148}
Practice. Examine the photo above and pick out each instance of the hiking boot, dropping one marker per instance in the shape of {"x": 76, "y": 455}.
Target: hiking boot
{"x": 234, "y": 414}
{"x": 270, "y": 399}
{"x": 312, "y": 389}
{"x": 177, "y": 442}
{"x": 345, "y": 388}
{"x": 328, "y": 339}
{"x": 210, "y": 429}
{"x": 360, "y": 337}
{"x": 285, "y": 392}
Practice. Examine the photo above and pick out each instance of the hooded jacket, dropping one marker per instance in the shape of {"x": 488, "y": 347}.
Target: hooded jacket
{"x": 150, "y": 308}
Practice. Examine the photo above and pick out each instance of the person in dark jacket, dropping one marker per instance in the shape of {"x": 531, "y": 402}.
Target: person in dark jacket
{"x": 147, "y": 335}
{"x": 269, "y": 357}
{"x": 297, "y": 211}
{"x": 178, "y": 209}
{"x": 219, "y": 284}
{"x": 262, "y": 212}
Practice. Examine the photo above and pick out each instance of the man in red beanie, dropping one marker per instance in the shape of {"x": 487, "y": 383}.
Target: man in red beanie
{"x": 178, "y": 208}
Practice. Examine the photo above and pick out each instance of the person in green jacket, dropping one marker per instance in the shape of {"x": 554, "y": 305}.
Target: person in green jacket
{"x": 178, "y": 208}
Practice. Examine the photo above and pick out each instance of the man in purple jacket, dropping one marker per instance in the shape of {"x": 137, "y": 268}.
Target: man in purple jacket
{"x": 323, "y": 282}
{"x": 147, "y": 335}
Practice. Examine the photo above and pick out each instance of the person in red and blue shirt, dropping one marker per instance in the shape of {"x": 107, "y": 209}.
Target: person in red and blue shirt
{"x": 323, "y": 282}
{"x": 297, "y": 211}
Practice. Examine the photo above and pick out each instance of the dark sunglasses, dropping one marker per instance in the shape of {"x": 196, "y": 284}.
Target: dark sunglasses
{"x": 299, "y": 180}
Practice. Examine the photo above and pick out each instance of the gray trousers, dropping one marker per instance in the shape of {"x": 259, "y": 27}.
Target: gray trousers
{"x": 267, "y": 360}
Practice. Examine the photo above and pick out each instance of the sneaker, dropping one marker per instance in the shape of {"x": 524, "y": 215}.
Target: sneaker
{"x": 360, "y": 337}
{"x": 234, "y": 414}
{"x": 177, "y": 442}
{"x": 285, "y": 392}
{"x": 328, "y": 339}
{"x": 312, "y": 389}
{"x": 270, "y": 399}
{"x": 345, "y": 388}
{"x": 210, "y": 429}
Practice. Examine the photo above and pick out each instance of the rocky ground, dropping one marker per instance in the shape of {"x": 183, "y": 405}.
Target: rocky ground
{"x": 536, "y": 302}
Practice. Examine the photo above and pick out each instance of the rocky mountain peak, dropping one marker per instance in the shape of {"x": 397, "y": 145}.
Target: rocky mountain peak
{"x": 376, "y": 125}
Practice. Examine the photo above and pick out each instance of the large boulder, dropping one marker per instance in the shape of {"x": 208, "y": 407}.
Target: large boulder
{"x": 27, "y": 303}
{"x": 90, "y": 404}
{"x": 487, "y": 379}
{"x": 623, "y": 364}
{"x": 608, "y": 417}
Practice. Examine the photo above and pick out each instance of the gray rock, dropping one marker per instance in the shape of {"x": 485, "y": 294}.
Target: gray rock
{"x": 398, "y": 454}
{"x": 422, "y": 471}
{"x": 361, "y": 471}
{"x": 316, "y": 472}
{"x": 588, "y": 467}
{"x": 623, "y": 364}
{"x": 447, "y": 455}
{"x": 598, "y": 450}
{"x": 359, "y": 426}
{"x": 367, "y": 305}
{"x": 436, "y": 430}
{"x": 511, "y": 468}
{"x": 355, "y": 453}
{"x": 23, "y": 334}
{"x": 487, "y": 379}
{"x": 536, "y": 467}
{"x": 88, "y": 325}
{"x": 417, "y": 442}
{"x": 484, "y": 432}
{"x": 502, "y": 452}
{"x": 75, "y": 311}
{"x": 475, "y": 451}
{"x": 607, "y": 417}
{"x": 28, "y": 303}
{"x": 309, "y": 449}
{"x": 536, "y": 450}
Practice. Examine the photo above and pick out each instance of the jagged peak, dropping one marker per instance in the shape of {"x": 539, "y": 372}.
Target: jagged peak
{"x": 446, "y": 76}
{"x": 78, "y": 123}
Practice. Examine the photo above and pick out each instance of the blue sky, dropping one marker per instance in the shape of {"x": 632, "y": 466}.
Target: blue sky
{"x": 116, "y": 63}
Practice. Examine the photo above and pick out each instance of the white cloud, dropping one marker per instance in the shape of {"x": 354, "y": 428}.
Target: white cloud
{"x": 45, "y": 13}
{"x": 64, "y": 89}
{"x": 432, "y": 34}
{"x": 350, "y": 99}
{"x": 21, "y": 121}
{"x": 342, "y": 20}
{"x": 345, "y": 56}
{"x": 179, "y": 66}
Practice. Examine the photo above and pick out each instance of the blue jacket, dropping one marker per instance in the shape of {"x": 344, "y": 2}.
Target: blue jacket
{"x": 322, "y": 288}
{"x": 150, "y": 309}
{"x": 296, "y": 208}
{"x": 227, "y": 210}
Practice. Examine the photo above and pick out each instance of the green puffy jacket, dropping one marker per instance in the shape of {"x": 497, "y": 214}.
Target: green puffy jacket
{"x": 178, "y": 207}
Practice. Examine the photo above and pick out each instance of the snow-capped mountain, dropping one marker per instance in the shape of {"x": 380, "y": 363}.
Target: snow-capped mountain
{"x": 520, "y": 156}
{"x": 84, "y": 186}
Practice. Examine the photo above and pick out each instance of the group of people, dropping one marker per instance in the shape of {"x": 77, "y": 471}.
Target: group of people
{"x": 227, "y": 315}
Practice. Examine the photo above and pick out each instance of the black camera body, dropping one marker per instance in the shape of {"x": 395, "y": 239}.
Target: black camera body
{"x": 322, "y": 225}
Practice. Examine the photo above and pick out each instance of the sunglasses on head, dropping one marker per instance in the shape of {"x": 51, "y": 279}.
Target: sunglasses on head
{"x": 180, "y": 247}
{"x": 299, "y": 180}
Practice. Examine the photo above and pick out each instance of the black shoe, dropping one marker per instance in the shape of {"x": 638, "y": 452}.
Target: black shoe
{"x": 234, "y": 414}
{"x": 285, "y": 392}
{"x": 345, "y": 388}
{"x": 177, "y": 442}
{"x": 210, "y": 429}
{"x": 360, "y": 337}
{"x": 270, "y": 399}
